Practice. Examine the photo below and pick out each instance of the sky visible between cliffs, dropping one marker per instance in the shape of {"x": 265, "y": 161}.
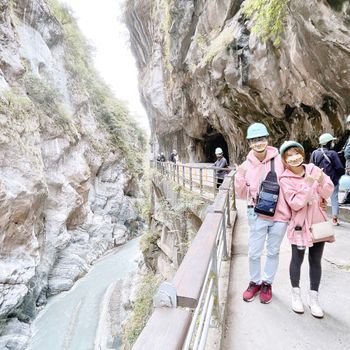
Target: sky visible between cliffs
{"x": 101, "y": 23}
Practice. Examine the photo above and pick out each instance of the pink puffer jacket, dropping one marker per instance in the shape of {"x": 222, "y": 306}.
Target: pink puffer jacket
{"x": 253, "y": 177}
{"x": 304, "y": 200}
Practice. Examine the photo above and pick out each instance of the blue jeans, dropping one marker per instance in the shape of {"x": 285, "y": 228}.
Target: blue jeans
{"x": 271, "y": 232}
{"x": 335, "y": 201}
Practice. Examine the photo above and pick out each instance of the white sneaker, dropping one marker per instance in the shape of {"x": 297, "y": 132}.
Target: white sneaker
{"x": 297, "y": 304}
{"x": 314, "y": 305}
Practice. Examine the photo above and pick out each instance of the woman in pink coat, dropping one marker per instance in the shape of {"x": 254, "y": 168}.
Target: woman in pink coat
{"x": 304, "y": 187}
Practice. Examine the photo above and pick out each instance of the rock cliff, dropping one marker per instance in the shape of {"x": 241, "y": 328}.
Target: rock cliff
{"x": 204, "y": 76}
{"x": 68, "y": 173}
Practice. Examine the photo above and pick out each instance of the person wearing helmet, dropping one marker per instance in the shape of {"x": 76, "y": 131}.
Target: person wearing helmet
{"x": 173, "y": 156}
{"x": 346, "y": 151}
{"x": 162, "y": 157}
{"x": 263, "y": 229}
{"x": 304, "y": 186}
{"x": 329, "y": 161}
{"x": 221, "y": 163}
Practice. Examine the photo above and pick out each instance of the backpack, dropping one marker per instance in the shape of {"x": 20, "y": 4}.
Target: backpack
{"x": 267, "y": 198}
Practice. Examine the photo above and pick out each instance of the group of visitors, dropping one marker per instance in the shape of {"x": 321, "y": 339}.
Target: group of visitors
{"x": 285, "y": 194}
{"x": 174, "y": 158}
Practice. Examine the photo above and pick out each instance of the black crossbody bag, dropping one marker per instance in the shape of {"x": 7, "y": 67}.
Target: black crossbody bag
{"x": 267, "y": 198}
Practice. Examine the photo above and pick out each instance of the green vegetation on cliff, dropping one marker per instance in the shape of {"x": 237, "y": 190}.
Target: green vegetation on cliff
{"x": 142, "y": 308}
{"x": 126, "y": 136}
{"x": 268, "y": 17}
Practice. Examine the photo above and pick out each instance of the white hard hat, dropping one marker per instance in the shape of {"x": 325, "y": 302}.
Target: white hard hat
{"x": 219, "y": 151}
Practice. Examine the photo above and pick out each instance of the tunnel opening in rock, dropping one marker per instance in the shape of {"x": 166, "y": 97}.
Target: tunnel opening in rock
{"x": 211, "y": 143}
{"x": 337, "y": 4}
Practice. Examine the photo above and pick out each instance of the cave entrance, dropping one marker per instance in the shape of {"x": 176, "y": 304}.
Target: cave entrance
{"x": 211, "y": 143}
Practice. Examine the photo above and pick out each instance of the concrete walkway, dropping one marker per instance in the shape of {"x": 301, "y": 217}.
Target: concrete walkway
{"x": 253, "y": 325}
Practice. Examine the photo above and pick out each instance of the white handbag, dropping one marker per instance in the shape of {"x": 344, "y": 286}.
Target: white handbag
{"x": 322, "y": 232}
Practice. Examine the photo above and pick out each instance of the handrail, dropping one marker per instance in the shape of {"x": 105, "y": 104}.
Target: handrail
{"x": 188, "y": 301}
{"x": 197, "y": 178}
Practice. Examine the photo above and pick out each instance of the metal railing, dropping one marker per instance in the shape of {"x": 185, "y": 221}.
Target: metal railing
{"x": 195, "y": 177}
{"x": 184, "y": 307}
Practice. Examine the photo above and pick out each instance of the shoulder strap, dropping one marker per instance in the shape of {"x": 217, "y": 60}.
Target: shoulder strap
{"x": 347, "y": 143}
{"x": 325, "y": 155}
{"x": 272, "y": 176}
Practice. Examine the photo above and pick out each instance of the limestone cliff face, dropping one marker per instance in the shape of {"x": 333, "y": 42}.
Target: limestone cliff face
{"x": 204, "y": 77}
{"x": 67, "y": 181}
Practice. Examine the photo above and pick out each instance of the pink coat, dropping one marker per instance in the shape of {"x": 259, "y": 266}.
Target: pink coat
{"x": 304, "y": 201}
{"x": 255, "y": 174}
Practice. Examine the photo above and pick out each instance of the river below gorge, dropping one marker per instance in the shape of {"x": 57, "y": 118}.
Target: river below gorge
{"x": 70, "y": 320}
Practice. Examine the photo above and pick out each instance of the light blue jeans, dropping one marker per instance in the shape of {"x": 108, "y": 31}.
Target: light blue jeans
{"x": 335, "y": 201}
{"x": 271, "y": 232}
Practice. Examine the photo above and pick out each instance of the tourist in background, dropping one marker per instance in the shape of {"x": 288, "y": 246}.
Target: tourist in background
{"x": 174, "y": 158}
{"x": 162, "y": 157}
{"x": 304, "y": 186}
{"x": 328, "y": 160}
{"x": 221, "y": 163}
{"x": 264, "y": 229}
{"x": 346, "y": 150}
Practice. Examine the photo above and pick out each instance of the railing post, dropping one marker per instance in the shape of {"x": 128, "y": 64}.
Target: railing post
{"x": 183, "y": 176}
{"x": 190, "y": 178}
{"x": 177, "y": 173}
{"x": 201, "y": 180}
{"x": 214, "y": 182}
{"x": 224, "y": 251}
{"x": 228, "y": 209}
{"x": 233, "y": 193}
{"x": 215, "y": 276}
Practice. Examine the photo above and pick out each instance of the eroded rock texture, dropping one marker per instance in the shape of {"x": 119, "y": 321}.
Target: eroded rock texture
{"x": 204, "y": 77}
{"x": 66, "y": 191}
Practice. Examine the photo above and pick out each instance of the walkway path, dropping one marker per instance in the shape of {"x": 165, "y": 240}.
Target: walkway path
{"x": 275, "y": 326}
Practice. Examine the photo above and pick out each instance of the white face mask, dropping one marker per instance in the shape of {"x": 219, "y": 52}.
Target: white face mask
{"x": 295, "y": 160}
{"x": 259, "y": 146}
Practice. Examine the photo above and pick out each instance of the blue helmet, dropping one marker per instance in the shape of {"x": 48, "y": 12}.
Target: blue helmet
{"x": 325, "y": 138}
{"x": 257, "y": 130}
{"x": 289, "y": 144}
{"x": 344, "y": 183}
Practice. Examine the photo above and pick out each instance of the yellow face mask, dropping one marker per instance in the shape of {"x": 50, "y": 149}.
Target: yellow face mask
{"x": 259, "y": 146}
{"x": 295, "y": 160}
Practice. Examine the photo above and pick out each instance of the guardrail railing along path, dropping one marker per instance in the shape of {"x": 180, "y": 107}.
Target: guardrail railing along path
{"x": 184, "y": 307}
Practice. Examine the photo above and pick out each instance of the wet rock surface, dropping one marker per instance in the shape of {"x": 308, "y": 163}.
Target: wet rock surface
{"x": 203, "y": 73}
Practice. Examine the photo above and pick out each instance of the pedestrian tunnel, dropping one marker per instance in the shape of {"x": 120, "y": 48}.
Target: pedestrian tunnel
{"x": 211, "y": 143}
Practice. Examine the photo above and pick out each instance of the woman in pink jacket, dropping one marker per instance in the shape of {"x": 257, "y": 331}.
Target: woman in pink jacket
{"x": 304, "y": 187}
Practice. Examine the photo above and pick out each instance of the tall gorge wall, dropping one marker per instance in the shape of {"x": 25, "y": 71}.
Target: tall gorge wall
{"x": 70, "y": 162}
{"x": 204, "y": 76}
